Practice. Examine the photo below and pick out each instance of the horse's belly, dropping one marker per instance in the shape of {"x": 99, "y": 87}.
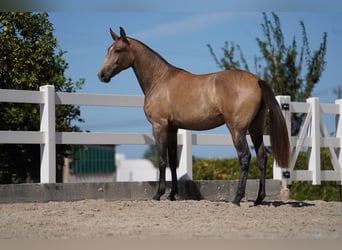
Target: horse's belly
{"x": 197, "y": 122}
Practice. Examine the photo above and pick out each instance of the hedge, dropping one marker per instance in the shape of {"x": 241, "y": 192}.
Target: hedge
{"x": 228, "y": 169}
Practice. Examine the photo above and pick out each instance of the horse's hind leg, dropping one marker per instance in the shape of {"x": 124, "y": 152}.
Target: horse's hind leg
{"x": 255, "y": 131}
{"x": 244, "y": 155}
{"x": 262, "y": 161}
{"x": 172, "y": 151}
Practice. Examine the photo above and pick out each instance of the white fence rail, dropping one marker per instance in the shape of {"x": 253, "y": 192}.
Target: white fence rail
{"x": 313, "y": 134}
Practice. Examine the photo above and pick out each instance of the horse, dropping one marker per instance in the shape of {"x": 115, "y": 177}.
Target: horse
{"x": 177, "y": 99}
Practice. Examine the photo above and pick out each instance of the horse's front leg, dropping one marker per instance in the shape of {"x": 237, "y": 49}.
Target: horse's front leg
{"x": 160, "y": 136}
{"x": 172, "y": 152}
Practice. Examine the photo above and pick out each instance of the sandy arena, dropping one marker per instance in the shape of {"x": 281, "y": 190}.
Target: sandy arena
{"x": 96, "y": 219}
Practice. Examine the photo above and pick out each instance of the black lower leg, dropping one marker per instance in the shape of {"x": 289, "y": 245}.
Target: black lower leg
{"x": 244, "y": 159}
{"x": 161, "y": 185}
{"x": 174, "y": 183}
{"x": 172, "y": 151}
{"x": 262, "y": 161}
{"x": 240, "y": 192}
{"x": 174, "y": 191}
{"x": 161, "y": 152}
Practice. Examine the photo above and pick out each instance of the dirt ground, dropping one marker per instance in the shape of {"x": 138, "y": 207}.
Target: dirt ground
{"x": 98, "y": 219}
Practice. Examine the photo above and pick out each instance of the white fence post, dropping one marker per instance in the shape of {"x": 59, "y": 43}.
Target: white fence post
{"x": 185, "y": 161}
{"x": 278, "y": 173}
{"x": 315, "y": 152}
{"x": 339, "y": 130}
{"x": 47, "y": 125}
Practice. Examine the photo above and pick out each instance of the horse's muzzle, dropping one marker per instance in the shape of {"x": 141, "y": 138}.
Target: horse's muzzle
{"x": 103, "y": 78}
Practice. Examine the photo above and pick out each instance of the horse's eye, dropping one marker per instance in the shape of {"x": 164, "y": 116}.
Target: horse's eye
{"x": 118, "y": 50}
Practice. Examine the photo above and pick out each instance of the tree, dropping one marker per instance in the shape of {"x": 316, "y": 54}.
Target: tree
{"x": 338, "y": 91}
{"x": 290, "y": 70}
{"x": 30, "y": 57}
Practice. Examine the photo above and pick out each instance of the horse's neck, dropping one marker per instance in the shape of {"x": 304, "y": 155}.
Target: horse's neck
{"x": 148, "y": 66}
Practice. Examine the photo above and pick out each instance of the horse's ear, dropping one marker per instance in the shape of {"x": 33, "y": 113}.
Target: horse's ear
{"x": 123, "y": 34}
{"x": 114, "y": 36}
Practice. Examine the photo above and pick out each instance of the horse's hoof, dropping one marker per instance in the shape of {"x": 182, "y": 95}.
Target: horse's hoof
{"x": 171, "y": 198}
{"x": 236, "y": 203}
{"x": 156, "y": 197}
{"x": 257, "y": 203}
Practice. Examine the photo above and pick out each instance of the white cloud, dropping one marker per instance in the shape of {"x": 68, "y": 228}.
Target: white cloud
{"x": 194, "y": 23}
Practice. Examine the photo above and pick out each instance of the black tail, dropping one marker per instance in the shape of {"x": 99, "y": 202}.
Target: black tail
{"x": 278, "y": 130}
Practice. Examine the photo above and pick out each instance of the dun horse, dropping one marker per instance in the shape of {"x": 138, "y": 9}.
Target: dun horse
{"x": 175, "y": 98}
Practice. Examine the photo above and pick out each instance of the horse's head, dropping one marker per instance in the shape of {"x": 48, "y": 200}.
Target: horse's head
{"x": 119, "y": 57}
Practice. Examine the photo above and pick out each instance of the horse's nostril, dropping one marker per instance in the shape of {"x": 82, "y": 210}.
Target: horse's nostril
{"x": 103, "y": 77}
{"x": 100, "y": 75}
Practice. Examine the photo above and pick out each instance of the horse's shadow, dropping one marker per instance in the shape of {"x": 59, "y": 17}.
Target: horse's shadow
{"x": 295, "y": 204}
{"x": 190, "y": 190}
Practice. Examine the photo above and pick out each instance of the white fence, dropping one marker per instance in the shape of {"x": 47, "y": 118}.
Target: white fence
{"x": 313, "y": 134}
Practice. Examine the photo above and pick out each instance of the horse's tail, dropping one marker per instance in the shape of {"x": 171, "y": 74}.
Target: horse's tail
{"x": 278, "y": 129}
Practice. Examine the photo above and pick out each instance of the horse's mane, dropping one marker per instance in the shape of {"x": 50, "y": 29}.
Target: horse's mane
{"x": 156, "y": 53}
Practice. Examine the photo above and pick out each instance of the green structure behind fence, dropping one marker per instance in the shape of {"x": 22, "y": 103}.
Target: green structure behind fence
{"x": 93, "y": 159}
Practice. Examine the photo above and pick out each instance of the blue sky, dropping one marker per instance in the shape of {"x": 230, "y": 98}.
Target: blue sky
{"x": 181, "y": 38}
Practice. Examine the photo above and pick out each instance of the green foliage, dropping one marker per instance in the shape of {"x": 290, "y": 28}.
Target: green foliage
{"x": 226, "y": 169}
{"x": 290, "y": 70}
{"x": 229, "y": 169}
{"x": 228, "y": 61}
{"x": 327, "y": 191}
{"x": 29, "y": 58}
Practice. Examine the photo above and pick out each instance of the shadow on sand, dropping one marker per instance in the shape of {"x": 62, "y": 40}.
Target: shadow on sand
{"x": 294, "y": 204}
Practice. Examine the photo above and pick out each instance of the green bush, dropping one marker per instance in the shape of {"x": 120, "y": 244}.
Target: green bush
{"x": 229, "y": 169}
{"x": 327, "y": 191}
{"x": 226, "y": 169}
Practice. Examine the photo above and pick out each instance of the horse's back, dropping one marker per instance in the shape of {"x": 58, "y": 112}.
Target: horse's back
{"x": 240, "y": 79}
